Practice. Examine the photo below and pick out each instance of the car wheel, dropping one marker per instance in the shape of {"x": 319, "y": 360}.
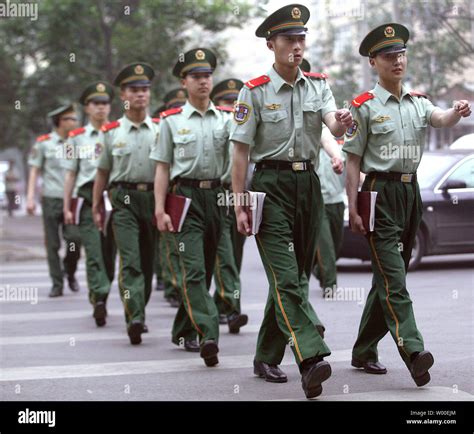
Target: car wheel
{"x": 417, "y": 251}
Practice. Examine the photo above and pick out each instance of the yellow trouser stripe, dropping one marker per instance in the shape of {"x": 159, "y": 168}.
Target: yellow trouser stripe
{"x": 280, "y": 303}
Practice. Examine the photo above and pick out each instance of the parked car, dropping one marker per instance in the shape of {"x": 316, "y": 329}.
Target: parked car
{"x": 464, "y": 142}
{"x": 446, "y": 180}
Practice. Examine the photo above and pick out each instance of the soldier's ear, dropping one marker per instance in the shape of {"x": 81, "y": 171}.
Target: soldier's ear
{"x": 270, "y": 45}
{"x": 371, "y": 62}
{"x": 183, "y": 83}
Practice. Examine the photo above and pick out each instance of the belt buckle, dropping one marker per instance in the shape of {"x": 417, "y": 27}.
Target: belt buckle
{"x": 406, "y": 177}
{"x": 205, "y": 184}
{"x": 297, "y": 166}
{"x": 142, "y": 187}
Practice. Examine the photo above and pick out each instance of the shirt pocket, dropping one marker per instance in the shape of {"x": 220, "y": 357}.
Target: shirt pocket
{"x": 384, "y": 133}
{"x": 185, "y": 146}
{"x": 312, "y": 115}
{"x": 275, "y": 124}
{"x": 220, "y": 138}
{"x": 419, "y": 127}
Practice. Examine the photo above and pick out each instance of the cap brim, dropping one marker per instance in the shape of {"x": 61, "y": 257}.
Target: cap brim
{"x": 293, "y": 32}
{"x": 200, "y": 69}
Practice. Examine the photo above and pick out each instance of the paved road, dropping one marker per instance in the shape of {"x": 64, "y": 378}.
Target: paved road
{"x": 50, "y": 349}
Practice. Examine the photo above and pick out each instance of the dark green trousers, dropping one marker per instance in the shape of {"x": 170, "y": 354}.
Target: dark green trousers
{"x": 287, "y": 244}
{"x": 134, "y": 232}
{"x": 196, "y": 246}
{"x": 238, "y": 241}
{"x": 227, "y": 275}
{"x": 329, "y": 245}
{"x": 100, "y": 250}
{"x": 53, "y": 223}
{"x": 388, "y": 307}
{"x": 157, "y": 258}
{"x": 170, "y": 269}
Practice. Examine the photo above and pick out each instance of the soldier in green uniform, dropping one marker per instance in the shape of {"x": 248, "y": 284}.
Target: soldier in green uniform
{"x": 229, "y": 251}
{"x": 332, "y": 224}
{"x": 45, "y": 159}
{"x": 193, "y": 152}
{"x": 169, "y": 258}
{"x": 386, "y": 142}
{"x": 279, "y": 118}
{"x": 124, "y": 165}
{"x": 83, "y": 149}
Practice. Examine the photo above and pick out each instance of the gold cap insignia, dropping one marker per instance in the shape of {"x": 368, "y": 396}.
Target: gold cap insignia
{"x": 231, "y": 84}
{"x": 296, "y": 13}
{"x": 200, "y": 55}
{"x": 139, "y": 70}
{"x": 389, "y": 32}
{"x": 100, "y": 87}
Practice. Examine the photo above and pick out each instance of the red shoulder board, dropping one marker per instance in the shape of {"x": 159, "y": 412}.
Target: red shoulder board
{"x": 156, "y": 120}
{"x": 43, "y": 138}
{"x": 255, "y": 82}
{"x": 318, "y": 75}
{"x": 225, "y": 108}
{"x": 110, "y": 126}
{"x": 76, "y": 132}
{"x": 170, "y": 112}
{"x": 357, "y": 102}
{"x": 420, "y": 94}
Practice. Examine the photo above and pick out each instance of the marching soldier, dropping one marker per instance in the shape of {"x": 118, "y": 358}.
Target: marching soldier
{"x": 279, "y": 119}
{"x": 192, "y": 153}
{"x": 83, "y": 149}
{"x": 229, "y": 251}
{"x": 332, "y": 223}
{"x": 386, "y": 142}
{"x": 45, "y": 159}
{"x": 124, "y": 166}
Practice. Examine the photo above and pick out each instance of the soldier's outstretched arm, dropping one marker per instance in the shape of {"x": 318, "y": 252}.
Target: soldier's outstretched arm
{"x": 448, "y": 118}
{"x": 338, "y": 121}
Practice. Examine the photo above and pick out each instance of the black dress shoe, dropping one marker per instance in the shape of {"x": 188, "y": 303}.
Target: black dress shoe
{"x": 222, "y": 318}
{"x": 420, "y": 364}
{"x": 160, "y": 286}
{"x": 235, "y": 321}
{"x": 145, "y": 328}
{"x": 313, "y": 374}
{"x": 56, "y": 292}
{"x": 173, "y": 301}
{"x": 73, "y": 283}
{"x": 192, "y": 346}
{"x": 209, "y": 350}
{"x": 100, "y": 312}
{"x": 271, "y": 373}
{"x": 369, "y": 367}
{"x": 135, "y": 331}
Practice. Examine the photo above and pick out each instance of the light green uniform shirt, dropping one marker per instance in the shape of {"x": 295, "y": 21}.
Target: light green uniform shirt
{"x": 389, "y": 134}
{"x": 126, "y": 153}
{"x": 83, "y": 151}
{"x": 195, "y": 145}
{"x": 280, "y": 121}
{"x": 332, "y": 184}
{"x": 48, "y": 155}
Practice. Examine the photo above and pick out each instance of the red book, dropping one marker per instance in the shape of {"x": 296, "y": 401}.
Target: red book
{"x": 75, "y": 207}
{"x": 366, "y": 208}
{"x": 177, "y": 207}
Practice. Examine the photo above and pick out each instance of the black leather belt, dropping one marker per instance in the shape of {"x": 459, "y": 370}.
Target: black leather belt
{"x": 198, "y": 183}
{"x": 139, "y": 186}
{"x": 407, "y": 178}
{"x": 296, "y": 166}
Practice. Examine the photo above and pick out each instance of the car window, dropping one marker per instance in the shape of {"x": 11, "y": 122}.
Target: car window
{"x": 426, "y": 175}
{"x": 465, "y": 172}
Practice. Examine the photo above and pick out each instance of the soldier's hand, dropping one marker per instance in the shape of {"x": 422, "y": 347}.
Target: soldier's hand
{"x": 163, "y": 221}
{"x": 337, "y": 165}
{"x": 31, "y": 207}
{"x": 68, "y": 217}
{"x": 344, "y": 117}
{"x": 356, "y": 224}
{"x": 97, "y": 216}
{"x": 462, "y": 108}
{"x": 243, "y": 221}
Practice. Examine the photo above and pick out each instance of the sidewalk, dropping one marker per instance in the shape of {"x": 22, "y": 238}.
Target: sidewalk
{"x": 21, "y": 238}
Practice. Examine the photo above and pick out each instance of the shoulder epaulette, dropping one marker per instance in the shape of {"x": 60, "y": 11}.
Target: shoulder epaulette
{"x": 76, "y": 132}
{"x": 170, "y": 112}
{"x": 357, "y": 102}
{"x": 255, "y": 82}
{"x": 156, "y": 120}
{"x": 110, "y": 126}
{"x": 420, "y": 94}
{"x": 225, "y": 108}
{"x": 43, "y": 138}
{"x": 318, "y": 75}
